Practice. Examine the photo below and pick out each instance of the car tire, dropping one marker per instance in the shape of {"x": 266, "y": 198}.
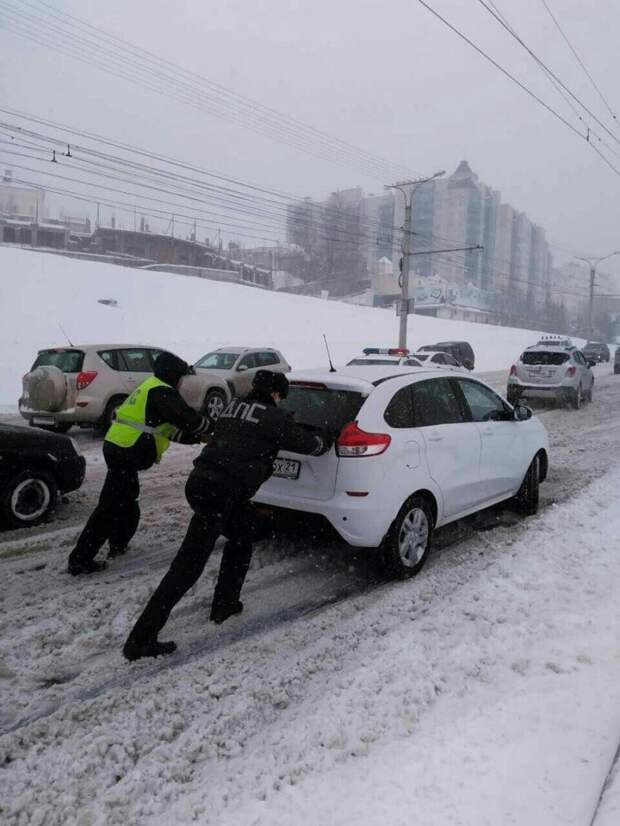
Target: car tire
{"x": 105, "y": 423}
{"x": 590, "y": 394}
{"x": 28, "y": 498}
{"x": 528, "y": 496}
{"x": 214, "y": 403}
{"x": 576, "y": 398}
{"x": 407, "y": 543}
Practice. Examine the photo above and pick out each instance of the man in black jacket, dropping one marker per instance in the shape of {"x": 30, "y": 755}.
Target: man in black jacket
{"x": 227, "y": 474}
{"x": 144, "y": 425}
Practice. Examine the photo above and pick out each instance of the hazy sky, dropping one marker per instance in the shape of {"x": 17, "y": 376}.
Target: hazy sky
{"x": 386, "y": 76}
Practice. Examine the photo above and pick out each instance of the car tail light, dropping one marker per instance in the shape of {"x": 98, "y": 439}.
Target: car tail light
{"x": 85, "y": 378}
{"x": 513, "y": 370}
{"x": 356, "y": 442}
{"x": 571, "y": 370}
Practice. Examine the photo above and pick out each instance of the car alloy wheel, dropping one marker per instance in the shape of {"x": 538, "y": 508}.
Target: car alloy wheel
{"x": 214, "y": 404}
{"x": 413, "y": 537}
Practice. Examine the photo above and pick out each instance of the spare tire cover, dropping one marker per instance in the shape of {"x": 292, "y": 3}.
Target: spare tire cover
{"x": 47, "y": 388}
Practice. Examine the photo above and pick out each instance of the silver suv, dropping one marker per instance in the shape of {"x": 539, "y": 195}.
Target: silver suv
{"x": 551, "y": 370}
{"x": 84, "y": 385}
{"x": 238, "y": 365}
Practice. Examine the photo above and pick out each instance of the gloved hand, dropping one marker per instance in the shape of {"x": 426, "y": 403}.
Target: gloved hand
{"x": 327, "y": 440}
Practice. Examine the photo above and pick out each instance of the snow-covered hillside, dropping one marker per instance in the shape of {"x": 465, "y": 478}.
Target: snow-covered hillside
{"x": 40, "y": 292}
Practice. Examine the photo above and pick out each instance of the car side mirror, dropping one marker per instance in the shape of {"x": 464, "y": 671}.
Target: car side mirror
{"x": 522, "y": 412}
{"x": 591, "y": 363}
{"x": 242, "y": 368}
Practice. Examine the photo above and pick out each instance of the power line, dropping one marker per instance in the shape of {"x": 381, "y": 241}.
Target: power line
{"x": 579, "y": 60}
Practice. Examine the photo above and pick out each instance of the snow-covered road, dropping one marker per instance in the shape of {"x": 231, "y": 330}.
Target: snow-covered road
{"x": 484, "y": 691}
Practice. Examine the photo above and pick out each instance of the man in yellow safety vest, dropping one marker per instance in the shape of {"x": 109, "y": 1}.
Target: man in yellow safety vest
{"x": 144, "y": 425}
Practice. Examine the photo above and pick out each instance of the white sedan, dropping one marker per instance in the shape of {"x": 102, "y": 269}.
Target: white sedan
{"x": 413, "y": 452}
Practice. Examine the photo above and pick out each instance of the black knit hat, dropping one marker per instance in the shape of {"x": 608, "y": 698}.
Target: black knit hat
{"x": 266, "y": 381}
{"x": 170, "y": 368}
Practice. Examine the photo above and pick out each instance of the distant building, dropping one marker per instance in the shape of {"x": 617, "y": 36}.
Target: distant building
{"x": 20, "y": 200}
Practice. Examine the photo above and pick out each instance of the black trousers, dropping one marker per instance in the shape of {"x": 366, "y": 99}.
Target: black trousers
{"x": 117, "y": 515}
{"x": 220, "y": 507}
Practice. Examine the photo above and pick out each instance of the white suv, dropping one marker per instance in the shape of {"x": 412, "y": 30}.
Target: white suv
{"x": 413, "y": 452}
{"x": 548, "y": 370}
{"x": 84, "y": 385}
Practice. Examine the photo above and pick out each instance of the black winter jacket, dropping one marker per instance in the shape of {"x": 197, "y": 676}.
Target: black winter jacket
{"x": 247, "y": 437}
{"x": 164, "y": 405}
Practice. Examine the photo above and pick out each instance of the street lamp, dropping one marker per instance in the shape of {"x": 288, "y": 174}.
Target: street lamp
{"x": 593, "y": 264}
{"x": 408, "y": 189}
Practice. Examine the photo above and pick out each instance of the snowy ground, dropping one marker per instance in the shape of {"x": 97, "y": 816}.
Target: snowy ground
{"x": 191, "y": 316}
{"x": 484, "y": 691}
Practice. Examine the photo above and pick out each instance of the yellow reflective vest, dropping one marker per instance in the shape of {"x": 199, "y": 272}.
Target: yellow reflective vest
{"x": 130, "y": 421}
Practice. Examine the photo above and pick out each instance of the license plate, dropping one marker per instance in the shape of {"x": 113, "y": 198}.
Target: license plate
{"x": 41, "y": 420}
{"x": 286, "y": 468}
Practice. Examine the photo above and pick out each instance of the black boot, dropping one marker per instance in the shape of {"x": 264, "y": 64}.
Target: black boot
{"x": 89, "y": 566}
{"x": 152, "y": 648}
{"x": 220, "y": 613}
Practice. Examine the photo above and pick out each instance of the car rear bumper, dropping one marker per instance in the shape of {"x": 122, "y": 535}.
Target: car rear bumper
{"x": 360, "y": 521}
{"x": 539, "y": 391}
{"x": 70, "y": 474}
{"x": 72, "y": 415}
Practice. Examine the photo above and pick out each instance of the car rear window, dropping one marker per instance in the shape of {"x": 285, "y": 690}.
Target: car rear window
{"x": 319, "y": 406}
{"x": 218, "y": 361}
{"x": 544, "y": 358}
{"x": 69, "y": 361}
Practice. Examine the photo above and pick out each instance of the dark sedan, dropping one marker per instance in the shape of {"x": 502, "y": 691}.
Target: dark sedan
{"x": 596, "y": 351}
{"x": 35, "y": 467}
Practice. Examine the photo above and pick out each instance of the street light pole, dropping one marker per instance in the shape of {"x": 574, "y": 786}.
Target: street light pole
{"x": 408, "y": 189}
{"x": 593, "y": 264}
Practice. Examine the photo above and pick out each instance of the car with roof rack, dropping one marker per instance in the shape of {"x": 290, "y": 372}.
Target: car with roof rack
{"x": 414, "y": 450}
{"x": 552, "y": 369}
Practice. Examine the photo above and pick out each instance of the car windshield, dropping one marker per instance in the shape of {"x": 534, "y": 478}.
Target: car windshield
{"x": 366, "y": 362}
{"x": 69, "y": 361}
{"x": 542, "y": 357}
{"x": 318, "y": 406}
{"x": 218, "y": 361}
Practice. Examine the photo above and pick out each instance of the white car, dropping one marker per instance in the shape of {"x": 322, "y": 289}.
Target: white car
{"x": 237, "y": 366}
{"x": 385, "y": 356}
{"x": 436, "y": 358}
{"x": 551, "y": 371}
{"x": 413, "y": 452}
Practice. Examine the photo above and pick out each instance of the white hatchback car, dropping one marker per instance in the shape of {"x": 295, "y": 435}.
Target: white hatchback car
{"x": 415, "y": 450}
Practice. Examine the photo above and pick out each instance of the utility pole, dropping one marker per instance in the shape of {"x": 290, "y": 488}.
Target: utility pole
{"x": 593, "y": 264}
{"x": 408, "y": 189}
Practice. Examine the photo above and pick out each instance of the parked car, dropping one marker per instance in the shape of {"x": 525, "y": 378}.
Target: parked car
{"x": 412, "y": 453}
{"x": 553, "y": 371}
{"x": 237, "y": 365}
{"x": 596, "y": 351}
{"x": 435, "y": 358}
{"x": 377, "y": 356}
{"x": 84, "y": 385}
{"x": 34, "y": 468}
{"x": 462, "y": 351}
{"x": 617, "y": 360}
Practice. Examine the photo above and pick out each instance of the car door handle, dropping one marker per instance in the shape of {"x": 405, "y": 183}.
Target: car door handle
{"x": 489, "y": 432}
{"x": 435, "y": 438}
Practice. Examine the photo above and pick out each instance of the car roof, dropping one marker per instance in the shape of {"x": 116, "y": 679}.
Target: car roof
{"x": 238, "y": 350}
{"x": 115, "y": 346}
{"x": 362, "y": 378}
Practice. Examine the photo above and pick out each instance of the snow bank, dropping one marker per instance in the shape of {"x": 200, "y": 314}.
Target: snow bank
{"x": 39, "y": 292}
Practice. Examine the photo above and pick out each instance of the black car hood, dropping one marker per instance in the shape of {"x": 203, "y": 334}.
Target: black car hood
{"x": 14, "y": 437}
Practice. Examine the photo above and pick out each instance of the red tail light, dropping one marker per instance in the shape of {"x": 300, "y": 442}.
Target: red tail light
{"x": 513, "y": 370}
{"x": 85, "y": 378}
{"x": 571, "y": 370}
{"x": 356, "y": 442}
